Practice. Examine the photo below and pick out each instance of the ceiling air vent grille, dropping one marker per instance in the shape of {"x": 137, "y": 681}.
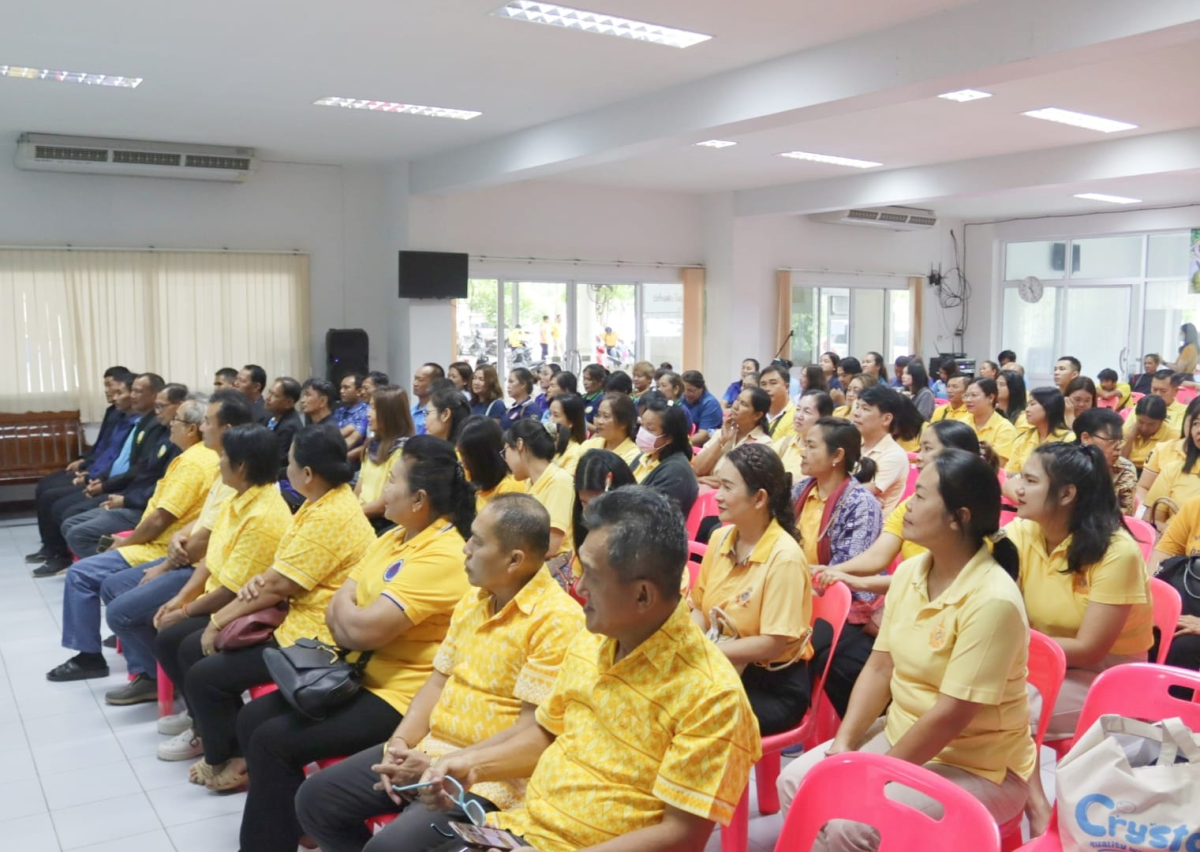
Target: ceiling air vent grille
{"x": 201, "y": 161}
{"x": 894, "y": 218}
{"x": 868, "y": 215}
{"x": 147, "y": 158}
{"x": 46, "y": 152}
{"x": 75, "y": 155}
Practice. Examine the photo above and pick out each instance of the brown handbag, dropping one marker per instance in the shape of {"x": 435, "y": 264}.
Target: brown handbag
{"x": 253, "y": 629}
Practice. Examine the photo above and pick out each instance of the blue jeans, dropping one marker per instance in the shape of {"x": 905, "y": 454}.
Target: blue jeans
{"x": 130, "y": 609}
{"x": 84, "y": 531}
{"x": 81, "y": 600}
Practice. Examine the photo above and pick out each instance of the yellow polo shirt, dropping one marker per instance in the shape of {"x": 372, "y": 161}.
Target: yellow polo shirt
{"x": 495, "y": 662}
{"x": 894, "y": 524}
{"x": 970, "y": 643}
{"x": 842, "y": 411}
{"x": 627, "y": 450}
{"x": 998, "y": 433}
{"x": 218, "y": 495}
{"x": 1174, "y": 420}
{"x": 891, "y": 471}
{"x": 1141, "y": 449}
{"x": 947, "y": 412}
{"x": 373, "y": 476}
{"x": 556, "y": 491}
{"x": 1056, "y": 601}
{"x": 783, "y": 425}
{"x": 246, "y": 536}
{"x": 645, "y": 466}
{"x": 770, "y": 595}
{"x": 1164, "y": 452}
{"x": 1183, "y": 533}
{"x": 667, "y": 725}
{"x": 1028, "y": 441}
{"x": 425, "y": 578}
{"x": 507, "y": 485}
{"x": 1175, "y": 484}
{"x": 182, "y": 491}
{"x": 326, "y": 539}
{"x": 791, "y": 452}
{"x": 808, "y": 521}
{"x": 568, "y": 459}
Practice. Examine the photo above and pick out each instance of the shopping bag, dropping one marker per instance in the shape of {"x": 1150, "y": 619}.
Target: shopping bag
{"x": 1130, "y": 786}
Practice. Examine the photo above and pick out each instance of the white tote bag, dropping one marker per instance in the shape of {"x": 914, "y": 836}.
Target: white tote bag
{"x": 1138, "y": 791}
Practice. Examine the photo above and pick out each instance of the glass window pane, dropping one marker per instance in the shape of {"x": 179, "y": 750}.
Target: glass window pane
{"x": 804, "y": 325}
{"x": 900, "y": 337}
{"x": 1045, "y": 260}
{"x": 1092, "y": 309}
{"x": 833, "y": 330}
{"x": 662, "y": 318}
{"x": 1029, "y": 330}
{"x": 475, "y": 317}
{"x": 606, "y": 314}
{"x": 869, "y": 310}
{"x": 1169, "y": 255}
{"x": 1107, "y": 257}
{"x": 1169, "y": 304}
{"x": 538, "y": 299}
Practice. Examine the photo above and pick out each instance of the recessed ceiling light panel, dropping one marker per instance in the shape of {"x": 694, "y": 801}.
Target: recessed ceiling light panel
{"x": 1080, "y": 119}
{"x": 1111, "y": 199}
{"x": 715, "y": 143}
{"x": 833, "y": 161}
{"x": 408, "y": 109}
{"x": 964, "y": 95}
{"x": 591, "y": 22}
{"x": 23, "y": 73}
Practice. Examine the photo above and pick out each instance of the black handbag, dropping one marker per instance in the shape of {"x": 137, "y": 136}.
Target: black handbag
{"x": 1182, "y": 573}
{"x": 314, "y": 677}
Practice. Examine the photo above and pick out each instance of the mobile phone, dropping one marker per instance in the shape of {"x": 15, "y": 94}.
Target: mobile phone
{"x": 105, "y": 542}
{"x": 486, "y": 837}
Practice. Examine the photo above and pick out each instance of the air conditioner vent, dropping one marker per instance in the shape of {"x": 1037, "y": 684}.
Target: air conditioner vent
{"x": 866, "y": 215}
{"x": 129, "y": 157}
{"x": 926, "y": 221}
{"x": 73, "y": 155}
{"x": 195, "y": 161}
{"x": 891, "y": 218}
{"x": 147, "y": 158}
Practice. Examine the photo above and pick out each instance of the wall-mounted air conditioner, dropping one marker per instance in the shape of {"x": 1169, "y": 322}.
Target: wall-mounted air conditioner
{"x": 891, "y": 218}
{"x": 44, "y": 152}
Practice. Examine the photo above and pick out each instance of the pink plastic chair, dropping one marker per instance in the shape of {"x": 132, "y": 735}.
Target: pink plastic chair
{"x": 1144, "y": 533}
{"x": 1134, "y": 397}
{"x": 704, "y": 507}
{"x": 819, "y": 724}
{"x": 823, "y": 796}
{"x": 1168, "y": 606}
{"x": 910, "y": 484}
{"x": 695, "y": 548}
{"x": 166, "y": 694}
{"x": 1007, "y": 517}
{"x": 1125, "y": 412}
{"x": 1185, "y": 395}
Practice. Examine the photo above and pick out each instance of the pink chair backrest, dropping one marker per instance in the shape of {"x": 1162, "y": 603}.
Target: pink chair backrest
{"x": 1140, "y": 691}
{"x": 833, "y": 606}
{"x": 910, "y": 485}
{"x": 940, "y": 402}
{"x": 823, "y": 796}
{"x": 1168, "y": 606}
{"x": 1002, "y": 476}
{"x": 1006, "y": 516}
{"x": 1047, "y": 669}
{"x": 1185, "y": 395}
{"x": 704, "y": 507}
{"x": 695, "y": 548}
{"x": 1125, "y": 412}
{"x": 1144, "y": 533}
{"x": 1134, "y": 397}
{"x": 1111, "y": 402}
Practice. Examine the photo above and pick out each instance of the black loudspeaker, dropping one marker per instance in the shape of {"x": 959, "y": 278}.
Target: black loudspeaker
{"x": 347, "y": 350}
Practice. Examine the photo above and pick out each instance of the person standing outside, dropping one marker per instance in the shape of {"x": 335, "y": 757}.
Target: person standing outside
{"x": 556, "y": 335}
{"x": 544, "y": 332}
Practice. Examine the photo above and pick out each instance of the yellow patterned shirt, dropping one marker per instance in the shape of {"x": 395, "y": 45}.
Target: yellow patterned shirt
{"x": 182, "y": 492}
{"x": 218, "y": 495}
{"x": 425, "y": 578}
{"x": 495, "y": 662}
{"x": 245, "y": 537}
{"x": 667, "y": 725}
{"x": 326, "y": 539}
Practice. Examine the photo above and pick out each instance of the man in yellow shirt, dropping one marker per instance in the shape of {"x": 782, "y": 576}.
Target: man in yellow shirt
{"x": 780, "y": 419}
{"x": 956, "y": 389}
{"x": 497, "y": 664}
{"x": 177, "y": 501}
{"x": 648, "y": 734}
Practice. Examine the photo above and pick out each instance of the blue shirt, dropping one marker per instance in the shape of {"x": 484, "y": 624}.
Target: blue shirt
{"x": 732, "y": 392}
{"x": 352, "y": 415}
{"x": 493, "y": 409}
{"x": 705, "y": 412}
{"x": 121, "y": 465}
{"x": 519, "y": 412}
{"x": 590, "y": 404}
{"x": 113, "y": 445}
{"x": 418, "y": 414}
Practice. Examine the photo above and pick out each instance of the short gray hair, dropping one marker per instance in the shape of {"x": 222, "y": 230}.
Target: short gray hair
{"x": 191, "y": 410}
{"x": 647, "y": 539}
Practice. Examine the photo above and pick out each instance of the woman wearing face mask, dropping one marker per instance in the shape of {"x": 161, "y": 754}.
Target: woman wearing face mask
{"x": 989, "y": 424}
{"x": 666, "y": 461}
{"x": 567, "y": 411}
{"x": 615, "y": 426}
{"x": 529, "y": 450}
{"x": 812, "y": 406}
{"x": 744, "y": 423}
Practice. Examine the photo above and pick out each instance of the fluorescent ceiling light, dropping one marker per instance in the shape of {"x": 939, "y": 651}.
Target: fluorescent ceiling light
{"x": 964, "y": 95}
{"x": 715, "y": 143}
{"x": 24, "y": 73}
{"x": 1111, "y": 199}
{"x": 591, "y": 22}
{"x": 1080, "y": 119}
{"x": 833, "y": 161}
{"x": 410, "y": 109}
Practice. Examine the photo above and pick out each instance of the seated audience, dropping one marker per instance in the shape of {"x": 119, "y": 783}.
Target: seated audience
{"x": 545, "y": 377}
{"x": 351, "y": 415}
{"x": 176, "y": 502}
{"x": 812, "y": 377}
{"x": 1189, "y": 351}
{"x": 481, "y": 450}
{"x": 828, "y": 363}
{"x": 1140, "y": 383}
{"x": 520, "y": 390}
{"x": 593, "y": 389}
{"x": 1112, "y": 392}
{"x": 1011, "y": 398}
{"x": 956, "y": 389}
{"x": 776, "y": 381}
{"x": 1101, "y": 427}
{"x": 754, "y": 593}
{"x": 445, "y": 414}
{"x": 317, "y": 401}
{"x": 645, "y": 712}
{"x": 744, "y": 424}
{"x": 400, "y": 616}
{"x": 642, "y": 374}
{"x": 989, "y": 370}
{"x": 749, "y": 365}
{"x": 899, "y": 364}
{"x": 498, "y": 663}
{"x": 940, "y": 370}
{"x": 282, "y": 418}
{"x": 486, "y": 397}
{"x": 225, "y": 379}
{"x": 1165, "y": 384}
{"x": 1154, "y": 442}
{"x": 810, "y": 408}
{"x": 1182, "y": 538}
{"x": 855, "y": 385}
{"x": 598, "y": 472}
{"x": 618, "y": 381}
{"x": 562, "y": 383}
{"x": 988, "y": 423}
{"x": 916, "y": 383}
{"x": 422, "y": 387}
{"x": 952, "y": 700}
{"x": 874, "y": 366}
{"x": 252, "y": 382}
{"x": 670, "y": 385}
{"x": 373, "y": 381}
{"x": 529, "y": 449}
{"x": 461, "y": 373}
{"x": 666, "y": 455}
{"x": 703, "y": 409}
{"x": 1045, "y": 413}
{"x": 389, "y": 421}
{"x": 847, "y": 369}
{"x": 1080, "y": 396}
{"x": 1066, "y": 368}
{"x": 750, "y": 380}
{"x": 1178, "y": 480}
{"x": 566, "y": 410}
{"x": 874, "y": 415}
{"x": 614, "y": 427}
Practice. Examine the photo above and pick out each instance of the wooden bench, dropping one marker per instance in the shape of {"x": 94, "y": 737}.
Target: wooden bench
{"x": 38, "y": 443}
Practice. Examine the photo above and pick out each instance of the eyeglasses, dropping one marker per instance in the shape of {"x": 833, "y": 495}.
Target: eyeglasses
{"x": 1118, "y": 441}
{"x": 160, "y": 407}
{"x": 474, "y": 811}
{"x": 180, "y": 421}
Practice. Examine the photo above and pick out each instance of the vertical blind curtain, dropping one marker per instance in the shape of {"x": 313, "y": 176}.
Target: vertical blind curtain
{"x": 180, "y": 314}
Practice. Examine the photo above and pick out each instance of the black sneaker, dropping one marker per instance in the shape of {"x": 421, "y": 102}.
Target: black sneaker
{"x": 52, "y": 567}
{"x": 79, "y": 667}
{"x": 37, "y": 558}
{"x": 110, "y": 642}
{"x": 140, "y": 690}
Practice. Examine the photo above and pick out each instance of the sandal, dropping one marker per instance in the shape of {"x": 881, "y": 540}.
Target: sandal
{"x": 200, "y": 773}
{"x": 227, "y": 778}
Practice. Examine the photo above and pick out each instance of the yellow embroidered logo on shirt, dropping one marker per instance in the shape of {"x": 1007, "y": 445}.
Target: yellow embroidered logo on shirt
{"x": 937, "y": 639}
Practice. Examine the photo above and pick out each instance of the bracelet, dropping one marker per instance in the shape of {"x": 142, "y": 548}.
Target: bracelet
{"x": 215, "y": 623}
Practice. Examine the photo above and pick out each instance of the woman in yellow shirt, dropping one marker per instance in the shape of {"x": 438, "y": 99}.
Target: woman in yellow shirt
{"x": 529, "y": 449}
{"x": 989, "y": 424}
{"x": 754, "y": 592}
{"x": 1151, "y": 444}
{"x": 390, "y": 423}
{"x": 1045, "y": 412}
{"x": 598, "y": 472}
{"x": 1082, "y": 576}
{"x": 855, "y": 385}
{"x": 567, "y": 411}
{"x": 1189, "y": 350}
{"x": 396, "y": 604}
{"x": 1178, "y": 481}
{"x": 745, "y": 422}
{"x": 445, "y": 414}
{"x": 615, "y": 426}
{"x": 811, "y": 407}
{"x": 481, "y": 450}
{"x": 947, "y": 673}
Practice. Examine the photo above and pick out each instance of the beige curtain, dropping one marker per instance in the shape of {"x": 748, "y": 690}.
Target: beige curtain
{"x": 783, "y": 308}
{"x": 180, "y": 314}
{"x": 693, "y": 315}
{"x": 916, "y": 290}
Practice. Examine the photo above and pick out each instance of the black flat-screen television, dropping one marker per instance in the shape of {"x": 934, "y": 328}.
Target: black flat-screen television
{"x": 433, "y": 275}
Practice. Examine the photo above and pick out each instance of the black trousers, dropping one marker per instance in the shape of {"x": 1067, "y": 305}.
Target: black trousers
{"x": 853, "y": 649}
{"x": 780, "y": 698}
{"x": 214, "y": 687}
{"x": 167, "y": 647}
{"x": 278, "y": 743}
{"x": 334, "y": 804}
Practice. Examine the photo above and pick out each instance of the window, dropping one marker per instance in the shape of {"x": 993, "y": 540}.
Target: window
{"x": 850, "y": 320}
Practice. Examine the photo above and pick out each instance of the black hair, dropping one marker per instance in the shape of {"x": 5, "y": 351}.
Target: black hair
{"x": 1190, "y": 336}
{"x": 481, "y": 444}
{"x": 907, "y": 422}
{"x": 777, "y": 369}
{"x": 543, "y": 440}
{"x": 988, "y": 388}
{"x": 1054, "y": 404}
{"x": 1154, "y": 407}
{"x": 598, "y": 470}
{"x": 1007, "y": 355}
{"x": 835, "y": 358}
{"x": 966, "y": 482}
{"x": 814, "y": 378}
{"x": 1096, "y": 513}
{"x": 554, "y": 368}
{"x": 464, "y": 371}
{"x": 378, "y": 378}
{"x": 567, "y": 382}
{"x": 918, "y": 374}
{"x": 523, "y": 376}
{"x": 1075, "y": 363}
{"x": 694, "y": 378}
{"x": 1082, "y": 383}
{"x": 323, "y": 450}
{"x": 618, "y": 381}
{"x": 113, "y": 372}
{"x": 840, "y": 434}
{"x": 902, "y": 361}
{"x": 1017, "y": 395}
{"x": 673, "y": 379}
{"x": 321, "y": 388}
{"x": 573, "y": 409}
{"x": 883, "y": 376}
{"x": 595, "y": 372}
{"x": 675, "y": 426}
{"x": 432, "y": 466}
{"x": 125, "y": 378}
{"x": 234, "y": 409}
{"x": 753, "y": 361}
{"x": 760, "y": 402}
{"x": 1108, "y": 374}
{"x": 252, "y": 447}
{"x": 356, "y": 376}
{"x": 290, "y": 388}
{"x": 824, "y": 402}
{"x": 522, "y": 523}
{"x": 1189, "y": 414}
{"x": 995, "y": 367}
{"x": 623, "y": 411}
{"x": 442, "y": 384}
{"x": 452, "y": 400}
{"x": 851, "y": 366}
{"x": 258, "y": 375}
{"x": 1166, "y": 374}
{"x": 435, "y": 370}
{"x": 227, "y": 373}
{"x": 954, "y": 434}
{"x": 1095, "y": 421}
{"x": 761, "y": 469}
{"x": 648, "y": 540}
{"x": 176, "y": 393}
{"x": 157, "y": 382}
